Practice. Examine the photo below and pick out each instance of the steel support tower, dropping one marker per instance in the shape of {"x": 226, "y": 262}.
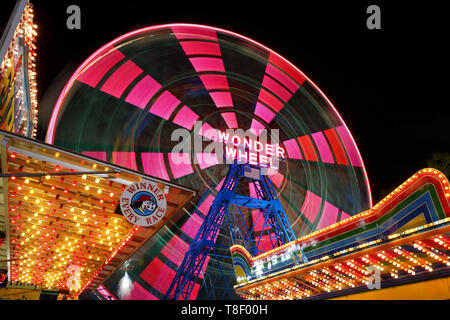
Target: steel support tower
{"x": 275, "y": 223}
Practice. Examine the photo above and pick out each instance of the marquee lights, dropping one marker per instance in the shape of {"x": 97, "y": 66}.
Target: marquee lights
{"x": 326, "y": 275}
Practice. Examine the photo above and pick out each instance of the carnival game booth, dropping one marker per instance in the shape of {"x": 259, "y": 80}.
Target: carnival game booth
{"x": 399, "y": 249}
{"x": 61, "y": 218}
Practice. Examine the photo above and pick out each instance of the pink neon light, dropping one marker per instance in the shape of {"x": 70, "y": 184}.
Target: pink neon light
{"x": 200, "y": 47}
{"x": 256, "y": 127}
{"x": 125, "y": 159}
{"x": 192, "y": 225}
{"x": 206, "y": 204}
{"x": 293, "y": 150}
{"x": 214, "y": 81}
{"x": 265, "y": 243}
{"x": 94, "y": 73}
{"x": 207, "y": 64}
{"x": 175, "y": 249}
{"x": 284, "y": 65}
{"x": 258, "y": 221}
{"x": 350, "y": 147}
{"x": 165, "y": 105}
{"x": 329, "y": 215}
{"x": 283, "y": 78}
{"x": 158, "y": 275}
{"x": 208, "y": 132}
{"x": 183, "y": 30}
{"x": 206, "y": 160}
{"x": 143, "y": 91}
{"x": 264, "y": 113}
{"x": 139, "y": 293}
{"x": 277, "y": 179}
{"x": 100, "y": 155}
{"x": 270, "y": 100}
{"x": 219, "y": 185}
{"x": 180, "y": 164}
{"x": 344, "y": 215}
{"x": 153, "y": 164}
{"x": 222, "y": 99}
{"x": 121, "y": 79}
{"x": 189, "y": 31}
{"x": 311, "y": 206}
{"x": 105, "y": 293}
{"x": 230, "y": 119}
{"x": 276, "y": 88}
{"x": 324, "y": 148}
{"x": 186, "y": 118}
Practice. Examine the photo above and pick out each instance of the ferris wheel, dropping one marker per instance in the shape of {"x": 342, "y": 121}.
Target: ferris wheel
{"x": 128, "y": 100}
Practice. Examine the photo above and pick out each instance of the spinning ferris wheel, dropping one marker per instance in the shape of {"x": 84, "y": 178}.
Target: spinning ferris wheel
{"x": 124, "y": 103}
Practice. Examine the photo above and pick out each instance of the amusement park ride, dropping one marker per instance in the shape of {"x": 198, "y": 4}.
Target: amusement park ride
{"x": 293, "y": 219}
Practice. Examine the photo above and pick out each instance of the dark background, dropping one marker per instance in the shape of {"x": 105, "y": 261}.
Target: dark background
{"x": 389, "y": 85}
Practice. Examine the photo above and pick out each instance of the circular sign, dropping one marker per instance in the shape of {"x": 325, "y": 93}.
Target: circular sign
{"x": 143, "y": 204}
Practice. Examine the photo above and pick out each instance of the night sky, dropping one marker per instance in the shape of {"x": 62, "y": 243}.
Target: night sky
{"x": 389, "y": 85}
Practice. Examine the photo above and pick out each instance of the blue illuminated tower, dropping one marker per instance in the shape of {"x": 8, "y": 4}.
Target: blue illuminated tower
{"x": 275, "y": 224}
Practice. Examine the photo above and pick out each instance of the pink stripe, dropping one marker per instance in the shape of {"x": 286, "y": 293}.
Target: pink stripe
{"x": 222, "y": 99}
{"x": 219, "y": 185}
{"x": 165, "y": 105}
{"x": 125, "y": 159}
{"x": 121, "y": 79}
{"x": 350, "y": 146}
{"x": 186, "y": 118}
{"x": 329, "y": 215}
{"x": 192, "y": 32}
{"x": 265, "y": 243}
{"x": 264, "y": 113}
{"x": 200, "y": 47}
{"x": 180, "y": 164}
{"x": 158, "y": 275}
{"x": 324, "y": 148}
{"x": 276, "y": 88}
{"x": 311, "y": 206}
{"x": 207, "y": 64}
{"x": 252, "y": 190}
{"x": 293, "y": 150}
{"x": 154, "y": 165}
{"x": 258, "y": 221}
{"x": 286, "y": 67}
{"x": 206, "y": 204}
{"x": 283, "y": 78}
{"x": 208, "y": 132}
{"x": 270, "y": 100}
{"x": 175, "y": 249}
{"x": 93, "y": 74}
{"x": 192, "y": 225}
{"x": 143, "y": 91}
{"x": 214, "y": 81}
{"x": 230, "y": 119}
{"x": 139, "y": 293}
{"x": 100, "y": 155}
{"x": 277, "y": 179}
{"x": 256, "y": 127}
{"x": 344, "y": 215}
{"x": 206, "y": 160}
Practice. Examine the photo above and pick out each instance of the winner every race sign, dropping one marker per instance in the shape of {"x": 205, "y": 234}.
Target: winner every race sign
{"x": 143, "y": 204}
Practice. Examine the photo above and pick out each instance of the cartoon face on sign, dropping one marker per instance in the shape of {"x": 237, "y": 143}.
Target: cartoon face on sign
{"x": 144, "y": 203}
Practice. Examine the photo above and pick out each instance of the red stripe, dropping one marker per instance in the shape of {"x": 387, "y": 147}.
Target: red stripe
{"x": 308, "y": 148}
{"x": 286, "y": 67}
{"x": 336, "y": 146}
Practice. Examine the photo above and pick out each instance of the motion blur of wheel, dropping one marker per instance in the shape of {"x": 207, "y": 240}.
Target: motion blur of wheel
{"x": 126, "y": 100}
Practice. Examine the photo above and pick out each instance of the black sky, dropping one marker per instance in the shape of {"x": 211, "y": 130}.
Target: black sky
{"x": 389, "y": 85}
